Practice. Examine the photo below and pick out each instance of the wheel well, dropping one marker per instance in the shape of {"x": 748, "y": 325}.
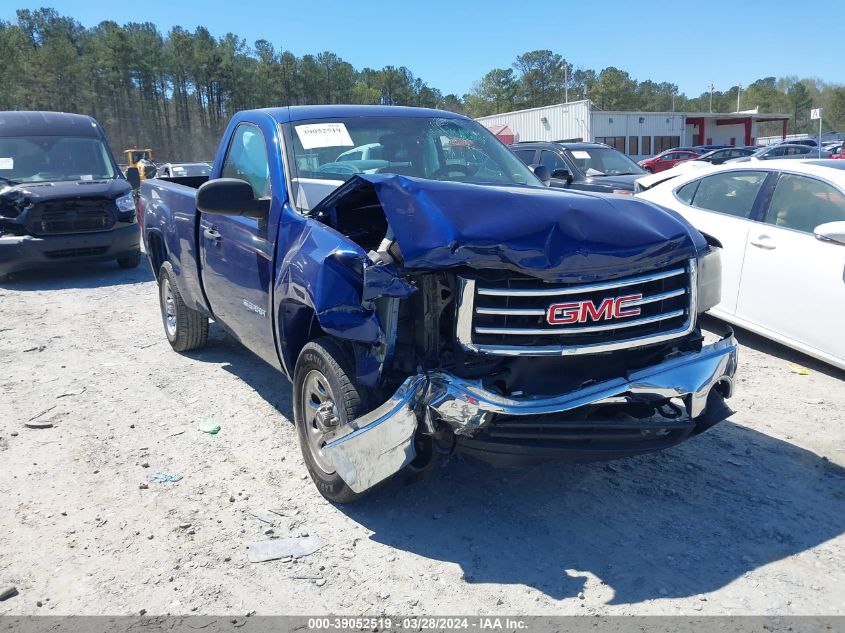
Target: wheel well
{"x": 158, "y": 252}
{"x": 298, "y": 325}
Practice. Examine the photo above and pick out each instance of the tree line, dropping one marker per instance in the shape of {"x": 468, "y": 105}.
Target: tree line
{"x": 175, "y": 92}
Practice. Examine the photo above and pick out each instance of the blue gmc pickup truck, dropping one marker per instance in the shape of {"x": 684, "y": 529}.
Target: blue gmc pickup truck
{"x": 425, "y": 293}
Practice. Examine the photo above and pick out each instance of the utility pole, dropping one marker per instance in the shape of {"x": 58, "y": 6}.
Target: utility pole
{"x": 711, "y": 97}
{"x": 738, "y": 90}
{"x": 566, "y": 82}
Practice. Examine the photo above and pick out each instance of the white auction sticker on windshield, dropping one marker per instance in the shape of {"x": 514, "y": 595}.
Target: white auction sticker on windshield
{"x": 7, "y": 163}
{"x": 316, "y": 135}
{"x": 579, "y": 153}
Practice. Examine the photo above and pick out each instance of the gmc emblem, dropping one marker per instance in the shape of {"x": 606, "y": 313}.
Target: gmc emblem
{"x": 583, "y": 311}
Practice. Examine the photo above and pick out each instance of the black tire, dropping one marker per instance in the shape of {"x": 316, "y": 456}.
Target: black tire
{"x": 130, "y": 262}
{"x": 186, "y": 329}
{"x": 334, "y": 363}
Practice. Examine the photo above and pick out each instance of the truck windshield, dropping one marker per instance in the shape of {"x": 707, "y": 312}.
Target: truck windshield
{"x": 54, "y": 158}
{"x": 326, "y": 153}
{"x": 603, "y": 161}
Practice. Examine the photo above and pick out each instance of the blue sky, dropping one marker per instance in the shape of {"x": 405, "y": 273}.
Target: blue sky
{"x": 450, "y": 44}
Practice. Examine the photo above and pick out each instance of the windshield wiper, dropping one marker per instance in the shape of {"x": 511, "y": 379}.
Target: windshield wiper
{"x": 9, "y": 181}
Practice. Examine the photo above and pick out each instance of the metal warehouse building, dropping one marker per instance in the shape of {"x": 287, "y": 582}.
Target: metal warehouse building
{"x": 638, "y": 134}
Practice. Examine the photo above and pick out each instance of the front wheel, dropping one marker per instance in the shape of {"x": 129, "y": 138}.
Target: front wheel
{"x": 325, "y": 396}
{"x": 186, "y": 329}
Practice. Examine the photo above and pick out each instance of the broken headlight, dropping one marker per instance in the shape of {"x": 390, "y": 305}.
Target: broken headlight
{"x": 709, "y": 279}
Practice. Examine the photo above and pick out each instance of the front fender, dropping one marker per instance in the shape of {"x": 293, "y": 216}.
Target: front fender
{"x": 325, "y": 279}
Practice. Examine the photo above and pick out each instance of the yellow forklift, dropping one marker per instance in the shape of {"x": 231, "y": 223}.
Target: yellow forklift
{"x": 142, "y": 159}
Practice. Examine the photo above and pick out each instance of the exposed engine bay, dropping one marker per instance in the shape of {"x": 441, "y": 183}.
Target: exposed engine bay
{"x": 520, "y": 403}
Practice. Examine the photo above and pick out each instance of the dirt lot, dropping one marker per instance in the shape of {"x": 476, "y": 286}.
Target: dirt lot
{"x": 747, "y": 518}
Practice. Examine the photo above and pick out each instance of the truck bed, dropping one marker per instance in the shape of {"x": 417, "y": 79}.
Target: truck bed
{"x": 171, "y": 203}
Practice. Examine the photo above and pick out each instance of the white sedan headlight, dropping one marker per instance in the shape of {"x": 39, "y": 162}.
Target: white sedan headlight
{"x": 709, "y": 279}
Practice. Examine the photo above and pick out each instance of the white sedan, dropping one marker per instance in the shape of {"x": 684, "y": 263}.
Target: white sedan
{"x": 782, "y": 226}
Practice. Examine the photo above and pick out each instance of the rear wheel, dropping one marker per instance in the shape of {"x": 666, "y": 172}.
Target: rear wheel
{"x": 325, "y": 396}
{"x": 186, "y": 329}
{"x": 130, "y": 262}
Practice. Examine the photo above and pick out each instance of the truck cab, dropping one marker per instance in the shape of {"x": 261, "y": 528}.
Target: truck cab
{"x": 437, "y": 297}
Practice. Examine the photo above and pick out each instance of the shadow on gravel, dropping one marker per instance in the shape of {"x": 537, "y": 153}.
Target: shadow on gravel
{"x": 233, "y": 357}
{"x": 82, "y": 275}
{"x": 674, "y": 524}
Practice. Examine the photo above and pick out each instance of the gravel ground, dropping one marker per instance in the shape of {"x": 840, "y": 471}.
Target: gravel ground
{"x": 745, "y": 519}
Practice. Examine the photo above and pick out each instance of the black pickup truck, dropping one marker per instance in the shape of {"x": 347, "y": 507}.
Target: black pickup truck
{"x": 62, "y": 196}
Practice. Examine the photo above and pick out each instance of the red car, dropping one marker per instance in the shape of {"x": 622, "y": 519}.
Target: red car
{"x": 667, "y": 160}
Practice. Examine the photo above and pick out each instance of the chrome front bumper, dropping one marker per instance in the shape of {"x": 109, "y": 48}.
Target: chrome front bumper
{"x": 379, "y": 444}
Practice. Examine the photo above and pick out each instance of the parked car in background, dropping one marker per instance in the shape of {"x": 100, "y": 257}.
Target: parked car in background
{"x": 438, "y": 305}
{"x": 667, "y": 160}
{"x": 801, "y": 141}
{"x": 180, "y": 170}
{"x": 582, "y": 166}
{"x": 719, "y": 156}
{"x": 782, "y": 228}
{"x": 62, "y": 196}
{"x": 368, "y": 151}
{"x": 703, "y": 149}
{"x": 783, "y": 150}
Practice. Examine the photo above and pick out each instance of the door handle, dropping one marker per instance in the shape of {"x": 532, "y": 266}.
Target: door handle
{"x": 762, "y": 241}
{"x": 212, "y": 234}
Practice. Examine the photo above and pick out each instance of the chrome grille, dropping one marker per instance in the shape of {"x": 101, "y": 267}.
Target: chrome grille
{"x": 512, "y": 317}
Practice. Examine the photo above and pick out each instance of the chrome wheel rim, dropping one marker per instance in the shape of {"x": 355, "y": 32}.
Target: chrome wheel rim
{"x": 320, "y": 416}
{"x": 168, "y": 308}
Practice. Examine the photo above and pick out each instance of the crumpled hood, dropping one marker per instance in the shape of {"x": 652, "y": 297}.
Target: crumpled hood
{"x": 545, "y": 233}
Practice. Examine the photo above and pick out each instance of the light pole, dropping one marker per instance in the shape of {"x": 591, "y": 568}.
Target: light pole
{"x": 738, "y": 91}
{"x": 711, "y": 97}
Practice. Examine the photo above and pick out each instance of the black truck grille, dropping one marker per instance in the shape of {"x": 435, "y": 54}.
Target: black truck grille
{"x": 70, "y": 216}
{"x": 531, "y": 317}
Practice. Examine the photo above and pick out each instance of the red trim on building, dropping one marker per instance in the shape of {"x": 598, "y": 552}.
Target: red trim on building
{"x": 699, "y": 121}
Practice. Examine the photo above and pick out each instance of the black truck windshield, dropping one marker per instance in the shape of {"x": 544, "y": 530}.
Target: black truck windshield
{"x": 329, "y": 152}
{"x": 54, "y": 158}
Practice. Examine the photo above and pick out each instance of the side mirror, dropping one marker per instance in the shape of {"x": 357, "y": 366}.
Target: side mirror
{"x": 831, "y": 231}
{"x": 231, "y": 196}
{"x": 134, "y": 177}
{"x": 562, "y": 174}
{"x": 542, "y": 173}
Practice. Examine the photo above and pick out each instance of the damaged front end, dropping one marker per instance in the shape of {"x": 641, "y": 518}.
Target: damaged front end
{"x": 644, "y": 411}
{"x": 473, "y": 336}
